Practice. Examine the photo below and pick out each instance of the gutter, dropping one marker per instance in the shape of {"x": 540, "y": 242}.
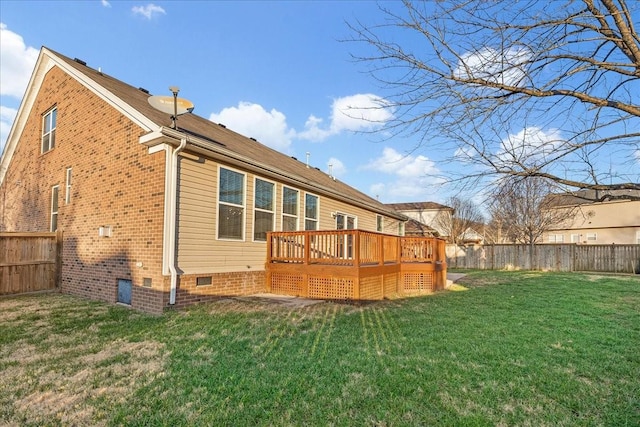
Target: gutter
{"x": 167, "y": 135}
{"x": 172, "y": 223}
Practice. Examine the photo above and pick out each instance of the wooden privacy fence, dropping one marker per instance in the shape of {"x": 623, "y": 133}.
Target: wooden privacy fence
{"x": 555, "y": 257}
{"x": 353, "y": 264}
{"x": 29, "y": 262}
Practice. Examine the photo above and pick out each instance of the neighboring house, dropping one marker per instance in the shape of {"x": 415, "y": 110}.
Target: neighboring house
{"x": 598, "y": 218}
{"x": 416, "y": 228}
{"x": 154, "y": 216}
{"x": 430, "y": 214}
{"x": 474, "y": 234}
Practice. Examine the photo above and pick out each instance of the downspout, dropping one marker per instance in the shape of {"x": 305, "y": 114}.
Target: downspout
{"x": 173, "y": 225}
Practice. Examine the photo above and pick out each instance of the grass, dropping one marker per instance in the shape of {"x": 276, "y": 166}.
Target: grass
{"x": 517, "y": 348}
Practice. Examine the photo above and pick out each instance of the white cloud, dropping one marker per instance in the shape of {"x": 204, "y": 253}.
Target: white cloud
{"x": 336, "y": 167}
{"x": 17, "y": 63}
{"x": 7, "y": 115}
{"x": 530, "y": 146}
{"x": 508, "y": 67}
{"x": 354, "y": 113}
{"x": 416, "y": 176}
{"x": 252, "y": 120}
{"x": 148, "y": 11}
{"x": 105, "y": 3}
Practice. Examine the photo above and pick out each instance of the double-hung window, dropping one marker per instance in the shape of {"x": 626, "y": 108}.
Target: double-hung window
{"x": 263, "y": 214}
{"x": 556, "y": 238}
{"x": 379, "y": 222}
{"x": 49, "y": 130}
{"x": 289, "y": 209}
{"x": 231, "y": 205}
{"x": 54, "y": 207}
{"x": 311, "y": 212}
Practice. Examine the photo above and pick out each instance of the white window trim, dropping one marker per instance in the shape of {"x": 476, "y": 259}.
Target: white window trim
{"x": 47, "y": 116}
{"x": 54, "y": 190}
{"x": 255, "y": 209}
{"x": 556, "y": 238}
{"x": 346, "y": 219}
{"x": 67, "y": 194}
{"x": 304, "y": 210}
{"x": 286, "y": 215}
{"x": 591, "y": 237}
{"x": 243, "y": 206}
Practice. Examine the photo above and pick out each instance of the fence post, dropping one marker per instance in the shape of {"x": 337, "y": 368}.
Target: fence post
{"x": 59, "y": 248}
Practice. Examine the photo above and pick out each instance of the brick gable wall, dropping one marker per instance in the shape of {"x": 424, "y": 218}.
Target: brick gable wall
{"x": 115, "y": 183}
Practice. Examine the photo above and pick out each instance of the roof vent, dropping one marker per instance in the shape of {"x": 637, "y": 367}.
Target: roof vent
{"x": 221, "y": 125}
{"x": 253, "y": 139}
{"x": 294, "y": 158}
{"x": 141, "y": 89}
{"x": 80, "y": 61}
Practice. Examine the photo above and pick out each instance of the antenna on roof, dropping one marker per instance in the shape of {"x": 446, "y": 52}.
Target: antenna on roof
{"x": 172, "y": 105}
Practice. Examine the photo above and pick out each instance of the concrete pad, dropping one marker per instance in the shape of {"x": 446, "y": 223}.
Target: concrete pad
{"x": 454, "y": 277}
{"x": 284, "y": 300}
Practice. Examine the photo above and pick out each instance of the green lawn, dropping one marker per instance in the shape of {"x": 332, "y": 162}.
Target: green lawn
{"x": 516, "y": 348}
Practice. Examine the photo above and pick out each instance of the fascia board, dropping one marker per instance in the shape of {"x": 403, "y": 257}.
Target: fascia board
{"x": 47, "y": 60}
{"x": 131, "y": 113}
{"x": 43, "y": 65}
{"x": 220, "y": 153}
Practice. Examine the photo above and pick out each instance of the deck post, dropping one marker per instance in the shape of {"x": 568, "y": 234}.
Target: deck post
{"x": 356, "y": 249}
{"x": 306, "y": 244}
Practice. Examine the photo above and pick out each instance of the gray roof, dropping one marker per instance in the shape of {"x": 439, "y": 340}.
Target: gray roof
{"x": 217, "y": 135}
{"x": 417, "y": 206}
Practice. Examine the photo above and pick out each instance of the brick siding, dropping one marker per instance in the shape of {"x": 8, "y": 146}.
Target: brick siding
{"x": 115, "y": 182}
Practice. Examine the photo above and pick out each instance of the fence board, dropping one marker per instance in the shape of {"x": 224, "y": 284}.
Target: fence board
{"x": 29, "y": 262}
{"x": 554, "y": 257}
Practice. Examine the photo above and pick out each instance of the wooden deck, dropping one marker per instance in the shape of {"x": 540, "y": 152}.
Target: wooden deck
{"x": 353, "y": 264}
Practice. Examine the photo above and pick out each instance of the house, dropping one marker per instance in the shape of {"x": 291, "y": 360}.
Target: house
{"x": 425, "y": 217}
{"x": 597, "y": 218}
{"x": 157, "y": 214}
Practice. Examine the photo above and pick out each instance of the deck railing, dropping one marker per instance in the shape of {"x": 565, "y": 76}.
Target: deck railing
{"x": 329, "y": 254}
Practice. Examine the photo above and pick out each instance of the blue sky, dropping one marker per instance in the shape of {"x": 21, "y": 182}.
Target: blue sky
{"x": 276, "y": 71}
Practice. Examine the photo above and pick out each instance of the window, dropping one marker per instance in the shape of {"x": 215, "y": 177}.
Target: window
{"x": 345, "y": 222}
{"x": 592, "y": 237}
{"x": 263, "y": 209}
{"x": 204, "y": 281}
{"x": 289, "y": 209}
{"x": 310, "y": 212}
{"x": 49, "y": 130}
{"x": 379, "y": 223}
{"x": 231, "y": 205}
{"x": 67, "y": 194}
{"x": 401, "y": 229}
{"x": 575, "y": 238}
{"x": 54, "y": 208}
{"x": 556, "y": 238}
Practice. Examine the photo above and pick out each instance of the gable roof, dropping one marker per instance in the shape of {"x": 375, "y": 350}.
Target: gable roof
{"x": 582, "y": 197}
{"x": 417, "y": 228}
{"x": 418, "y": 206}
{"x": 204, "y": 136}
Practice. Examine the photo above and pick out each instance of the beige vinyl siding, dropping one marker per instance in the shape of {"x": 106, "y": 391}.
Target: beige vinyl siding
{"x": 199, "y": 250}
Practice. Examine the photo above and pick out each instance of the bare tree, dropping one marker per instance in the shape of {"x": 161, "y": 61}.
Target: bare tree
{"x": 514, "y": 88}
{"x": 466, "y": 217}
{"x": 523, "y": 209}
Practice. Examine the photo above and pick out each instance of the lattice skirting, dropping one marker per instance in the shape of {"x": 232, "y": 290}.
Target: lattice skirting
{"x": 412, "y": 282}
{"x": 287, "y": 284}
{"x": 331, "y": 288}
